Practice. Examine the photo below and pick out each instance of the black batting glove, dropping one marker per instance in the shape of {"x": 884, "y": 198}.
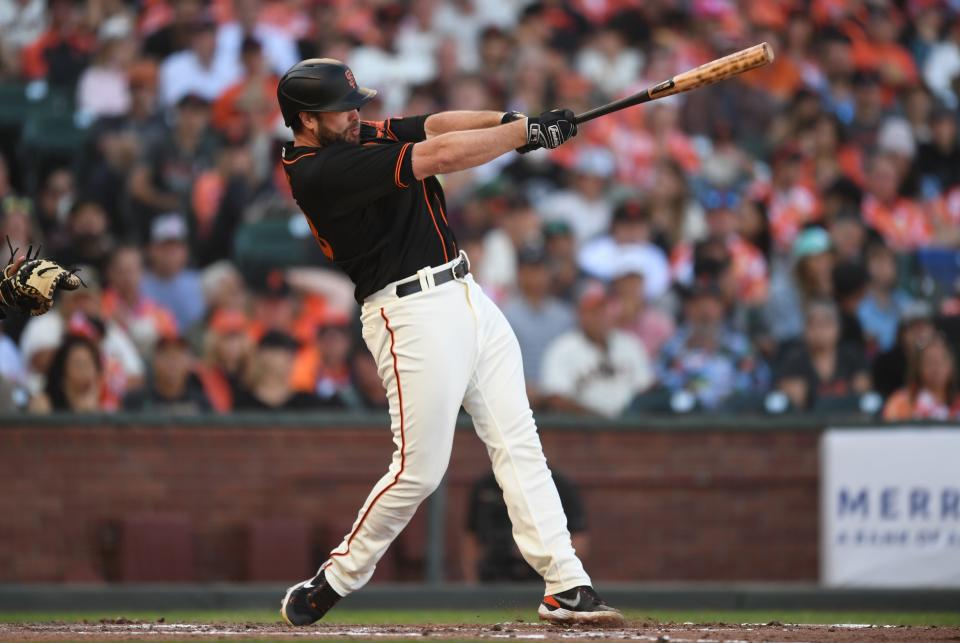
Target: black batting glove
{"x": 551, "y": 129}
{"x": 509, "y": 117}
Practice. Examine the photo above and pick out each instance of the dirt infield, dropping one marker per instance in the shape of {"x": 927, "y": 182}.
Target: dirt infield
{"x": 123, "y": 629}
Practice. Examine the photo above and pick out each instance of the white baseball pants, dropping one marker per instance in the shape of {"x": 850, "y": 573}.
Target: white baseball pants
{"x": 437, "y": 349}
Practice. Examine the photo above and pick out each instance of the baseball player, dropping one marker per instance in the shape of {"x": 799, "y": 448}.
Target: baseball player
{"x": 369, "y": 192}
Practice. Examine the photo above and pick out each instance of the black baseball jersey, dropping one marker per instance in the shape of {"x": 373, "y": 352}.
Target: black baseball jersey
{"x": 370, "y": 215}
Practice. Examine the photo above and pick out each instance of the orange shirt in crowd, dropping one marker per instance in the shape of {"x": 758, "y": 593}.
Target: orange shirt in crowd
{"x": 242, "y": 102}
{"x": 924, "y": 406}
{"x": 749, "y": 268}
{"x": 905, "y": 225}
{"x": 790, "y": 211}
{"x": 33, "y": 61}
{"x": 782, "y": 79}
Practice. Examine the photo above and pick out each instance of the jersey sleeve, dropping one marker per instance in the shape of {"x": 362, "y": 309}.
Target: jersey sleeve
{"x": 408, "y": 129}
{"x": 358, "y": 175}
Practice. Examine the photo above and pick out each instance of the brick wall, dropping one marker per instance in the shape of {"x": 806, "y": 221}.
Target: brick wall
{"x": 661, "y": 505}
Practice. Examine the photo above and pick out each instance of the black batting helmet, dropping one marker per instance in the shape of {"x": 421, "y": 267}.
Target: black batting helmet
{"x": 320, "y": 85}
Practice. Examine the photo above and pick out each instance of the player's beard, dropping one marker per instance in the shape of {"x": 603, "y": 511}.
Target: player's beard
{"x": 349, "y": 135}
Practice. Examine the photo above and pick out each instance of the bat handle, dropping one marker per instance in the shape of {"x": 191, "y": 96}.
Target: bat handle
{"x": 603, "y": 110}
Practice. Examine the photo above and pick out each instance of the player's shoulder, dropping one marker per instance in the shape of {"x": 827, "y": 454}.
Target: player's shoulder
{"x": 293, "y": 156}
{"x": 378, "y": 132}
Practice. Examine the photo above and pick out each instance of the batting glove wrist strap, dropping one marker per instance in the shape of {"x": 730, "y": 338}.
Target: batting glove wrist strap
{"x": 551, "y": 129}
{"x": 509, "y": 117}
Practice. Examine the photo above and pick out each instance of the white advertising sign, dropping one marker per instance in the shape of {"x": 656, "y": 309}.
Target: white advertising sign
{"x": 890, "y": 508}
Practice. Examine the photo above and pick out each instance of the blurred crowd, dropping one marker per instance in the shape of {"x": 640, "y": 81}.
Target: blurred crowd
{"x": 786, "y": 241}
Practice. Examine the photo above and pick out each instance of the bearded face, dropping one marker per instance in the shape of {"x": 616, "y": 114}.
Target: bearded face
{"x": 338, "y": 127}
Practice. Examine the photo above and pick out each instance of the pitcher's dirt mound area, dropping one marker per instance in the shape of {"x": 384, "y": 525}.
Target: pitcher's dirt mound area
{"x": 121, "y": 629}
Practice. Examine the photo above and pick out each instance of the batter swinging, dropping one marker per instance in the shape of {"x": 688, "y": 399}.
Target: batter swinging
{"x": 369, "y": 193}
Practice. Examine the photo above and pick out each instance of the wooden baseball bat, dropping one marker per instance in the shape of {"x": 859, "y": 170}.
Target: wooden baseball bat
{"x": 707, "y": 74}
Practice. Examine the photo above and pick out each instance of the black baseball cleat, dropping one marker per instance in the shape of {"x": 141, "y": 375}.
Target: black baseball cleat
{"x": 307, "y": 602}
{"x": 578, "y": 605}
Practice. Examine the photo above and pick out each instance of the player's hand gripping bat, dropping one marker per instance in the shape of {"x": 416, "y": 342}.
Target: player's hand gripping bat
{"x": 711, "y": 72}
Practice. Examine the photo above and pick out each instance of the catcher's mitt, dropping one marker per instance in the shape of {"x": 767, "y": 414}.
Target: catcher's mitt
{"x": 28, "y": 286}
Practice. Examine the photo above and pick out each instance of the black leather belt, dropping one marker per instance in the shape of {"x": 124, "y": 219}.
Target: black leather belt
{"x": 456, "y": 271}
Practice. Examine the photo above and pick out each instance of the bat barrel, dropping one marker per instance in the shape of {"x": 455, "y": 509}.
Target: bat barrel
{"x": 707, "y": 74}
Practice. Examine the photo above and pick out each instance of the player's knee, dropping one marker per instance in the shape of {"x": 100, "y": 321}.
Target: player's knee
{"x": 427, "y": 482}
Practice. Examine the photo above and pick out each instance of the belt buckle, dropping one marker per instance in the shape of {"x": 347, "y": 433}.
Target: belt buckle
{"x": 459, "y": 269}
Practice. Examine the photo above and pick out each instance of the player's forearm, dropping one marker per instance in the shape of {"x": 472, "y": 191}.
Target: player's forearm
{"x": 459, "y": 121}
{"x": 457, "y": 151}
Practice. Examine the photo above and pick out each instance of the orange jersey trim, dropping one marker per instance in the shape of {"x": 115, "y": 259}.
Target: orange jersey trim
{"x": 396, "y": 171}
{"x": 302, "y": 156}
{"x": 403, "y": 444}
{"x": 426, "y": 197}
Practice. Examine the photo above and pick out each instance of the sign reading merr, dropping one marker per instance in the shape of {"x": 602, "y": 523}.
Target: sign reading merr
{"x": 897, "y": 503}
{"x": 890, "y": 507}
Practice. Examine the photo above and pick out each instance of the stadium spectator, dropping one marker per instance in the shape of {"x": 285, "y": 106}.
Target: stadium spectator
{"x": 489, "y": 553}
{"x": 536, "y": 317}
{"x": 561, "y": 248}
{"x": 268, "y": 387}
{"x": 169, "y": 281}
{"x": 903, "y": 223}
{"x": 943, "y": 65}
{"x": 849, "y": 237}
{"x": 707, "y": 359}
{"x": 78, "y": 313}
{"x": 227, "y": 348}
{"x": 916, "y": 329}
{"x": 366, "y": 390}
{"x": 144, "y": 117}
{"x": 224, "y": 287}
{"x": 124, "y": 303}
{"x": 518, "y": 226}
{"x": 609, "y": 62}
{"x": 931, "y": 389}
{"x": 104, "y": 87}
{"x": 197, "y": 70}
{"x": 85, "y": 238}
{"x": 584, "y": 205}
{"x": 250, "y": 105}
{"x": 879, "y": 311}
{"x": 596, "y": 368}
{"x": 675, "y": 216}
{"x": 938, "y": 160}
{"x": 750, "y": 270}
{"x": 809, "y": 277}
{"x": 822, "y": 368}
{"x": 21, "y": 23}
{"x": 628, "y": 240}
{"x": 849, "y": 287}
{"x": 279, "y": 49}
{"x": 61, "y": 53}
{"x": 172, "y": 388}
{"x": 333, "y": 346}
{"x": 163, "y": 179}
{"x": 633, "y": 312}
{"x": 54, "y": 201}
{"x": 116, "y": 149}
{"x": 793, "y": 205}
{"x": 75, "y": 380}
{"x": 175, "y": 32}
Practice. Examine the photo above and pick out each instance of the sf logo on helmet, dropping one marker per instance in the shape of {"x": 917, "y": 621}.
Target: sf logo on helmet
{"x": 350, "y": 79}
